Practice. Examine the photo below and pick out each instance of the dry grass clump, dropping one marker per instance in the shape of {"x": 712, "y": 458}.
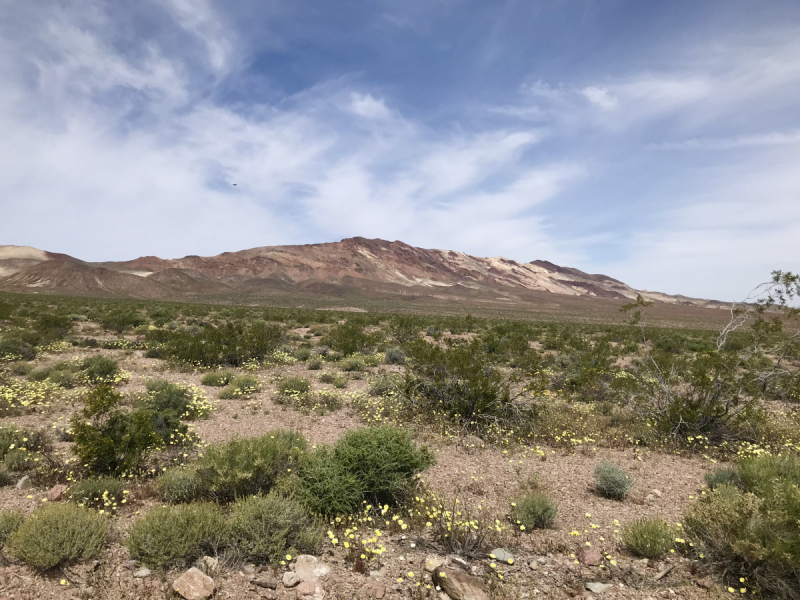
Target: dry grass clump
{"x": 649, "y": 538}
{"x": 534, "y": 511}
{"x": 611, "y": 481}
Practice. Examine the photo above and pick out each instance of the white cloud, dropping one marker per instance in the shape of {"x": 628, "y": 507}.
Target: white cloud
{"x": 600, "y": 97}
{"x": 368, "y": 107}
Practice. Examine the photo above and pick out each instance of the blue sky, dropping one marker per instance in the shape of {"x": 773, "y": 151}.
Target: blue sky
{"x": 656, "y": 142}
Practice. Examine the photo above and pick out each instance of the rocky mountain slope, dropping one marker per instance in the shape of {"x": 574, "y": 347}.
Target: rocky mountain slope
{"x": 352, "y": 267}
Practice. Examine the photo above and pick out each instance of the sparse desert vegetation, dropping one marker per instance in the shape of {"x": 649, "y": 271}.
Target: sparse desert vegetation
{"x": 523, "y": 455}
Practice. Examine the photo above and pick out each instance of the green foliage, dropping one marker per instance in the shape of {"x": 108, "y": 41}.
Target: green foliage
{"x": 266, "y": 528}
{"x": 383, "y": 460}
{"x": 103, "y": 493}
{"x": 10, "y": 520}
{"x": 384, "y": 383}
{"x": 219, "y": 378}
{"x": 338, "y": 381}
{"x": 315, "y": 364}
{"x": 99, "y": 369}
{"x": 58, "y": 534}
{"x": 534, "y": 511}
{"x": 328, "y": 487}
{"x": 611, "y": 481}
{"x": 122, "y": 319}
{"x": 302, "y": 354}
{"x": 293, "y": 385}
{"x": 723, "y": 477}
{"x": 394, "y": 356}
{"x": 350, "y": 338}
{"x": 21, "y": 368}
{"x": 649, "y": 538}
{"x": 243, "y": 467}
{"x": 173, "y": 401}
{"x": 352, "y": 363}
{"x": 176, "y": 535}
{"x": 229, "y": 344}
{"x": 180, "y": 484}
{"x": 17, "y": 349}
{"x": 754, "y": 533}
{"x": 240, "y": 387}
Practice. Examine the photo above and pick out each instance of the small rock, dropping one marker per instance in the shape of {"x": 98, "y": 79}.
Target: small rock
{"x": 460, "y": 562}
{"x": 373, "y": 590}
{"x": 57, "y": 493}
{"x": 268, "y": 594}
{"x": 545, "y": 588}
{"x": 194, "y": 585}
{"x": 705, "y": 583}
{"x": 310, "y": 590}
{"x": 142, "y": 573}
{"x": 597, "y": 587}
{"x": 503, "y": 555}
{"x": 208, "y": 565}
{"x": 308, "y": 568}
{"x": 290, "y": 579}
{"x": 24, "y": 483}
{"x": 433, "y": 562}
{"x": 249, "y": 569}
{"x": 656, "y": 493}
{"x": 591, "y": 557}
{"x": 129, "y": 564}
{"x": 541, "y": 561}
{"x": 460, "y": 586}
{"x": 265, "y": 581}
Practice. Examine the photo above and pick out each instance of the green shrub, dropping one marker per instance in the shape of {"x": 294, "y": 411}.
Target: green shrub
{"x": 323, "y": 401}
{"x": 65, "y": 379}
{"x": 122, "y": 319}
{"x": 240, "y": 387}
{"x": 104, "y": 493}
{"x": 21, "y": 368}
{"x": 649, "y": 538}
{"x": 17, "y": 349}
{"x": 293, "y": 385}
{"x": 315, "y": 364}
{"x": 178, "y": 401}
{"x": 6, "y": 478}
{"x": 266, "y": 528}
{"x": 352, "y": 363}
{"x": 723, "y": 477}
{"x": 350, "y": 338}
{"x": 327, "y": 377}
{"x": 339, "y": 381}
{"x": 383, "y": 459}
{"x": 394, "y": 356}
{"x": 39, "y": 374}
{"x": 328, "y": 488}
{"x": 385, "y": 383}
{"x": 58, "y": 534}
{"x": 99, "y": 369}
{"x": 243, "y": 467}
{"x": 611, "y": 481}
{"x": 302, "y": 354}
{"x": 177, "y": 535}
{"x": 21, "y": 444}
{"x": 218, "y": 378}
{"x": 754, "y": 533}
{"x": 10, "y": 520}
{"x": 534, "y": 511}
{"x": 180, "y": 484}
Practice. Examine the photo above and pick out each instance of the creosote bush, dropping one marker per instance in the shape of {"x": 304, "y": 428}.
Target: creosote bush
{"x": 649, "y": 538}
{"x": 218, "y": 378}
{"x": 611, "y": 481}
{"x": 266, "y": 528}
{"x": 58, "y": 534}
{"x": 328, "y": 487}
{"x": 99, "y": 369}
{"x": 176, "y": 535}
{"x": 534, "y": 511}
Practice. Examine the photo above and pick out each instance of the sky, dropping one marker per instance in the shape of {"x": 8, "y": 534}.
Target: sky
{"x": 656, "y": 142}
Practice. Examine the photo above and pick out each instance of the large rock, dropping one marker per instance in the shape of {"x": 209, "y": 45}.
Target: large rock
{"x": 591, "y": 557}
{"x": 459, "y": 585}
{"x": 57, "y": 493}
{"x": 310, "y": 590}
{"x": 25, "y": 482}
{"x": 597, "y": 587}
{"x": 433, "y": 562}
{"x": 308, "y": 568}
{"x": 194, "y": 585}
{"x": 290, "y": 579}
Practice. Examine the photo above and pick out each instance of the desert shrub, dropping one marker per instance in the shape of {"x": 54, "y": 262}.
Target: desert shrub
{"x": 6, "y": 477}
{"x": 176, "y": 400}
{"x": 18, "y": 460}
{"x": 122, "y": 319}
{"x": 58, "y": 534}
{"x": 723, "y": 477}
{"x": 293, "y": 385}
{"x": 21, "y": 368}
{"x": 39, "y": 374}
{"x": 383, "y": 459}
{"x": 103, "y": 493}
{"x": 266, "y": 528}
{"x": 302, "y": 354}
{"x": 384, "y": 383}
{"x": 350, "y": 338}
{"x": 322, "y": 401}
{"x": 241, "y": 386}
{"x": 218, "y": 378}
{"x": 180, "y": 484}
{"x": 10, "y": 520}
{"x": 754, "y": 533}
{"x": 394, "y": 356}
{"x": 63, "y": 378}
{"x": 17, "y": 445}
{"x": 327, "y": 377}
{"x": 328, "y": 488}
{"x": 111, "y": 440}
{"x": 13, "y": 348}
{"x": 611, "y": 481}
{"x": 315, "y": 364}
{"x": 243, "y": 467}
{"x": 99, "y": 369}
{"x": 339, "y": 381}
{"x": 649, "y": 538}
{"x": 352, "y": 363}
{"x": 176, "y": 535}
{"x": 534, "y": 511}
